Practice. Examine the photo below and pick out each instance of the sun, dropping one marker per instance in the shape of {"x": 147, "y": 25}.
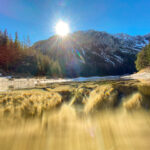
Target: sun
{"x": 62, "y": 28}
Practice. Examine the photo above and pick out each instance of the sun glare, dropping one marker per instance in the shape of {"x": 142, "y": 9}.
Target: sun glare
{"x": 62, "y": 28}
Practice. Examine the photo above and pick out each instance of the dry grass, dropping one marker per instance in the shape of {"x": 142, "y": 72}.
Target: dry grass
{"x": 125, "y": 131}
{"x": 65, "y": 130}
{"x": 29, "y": 119}
{"x": 145, "y": 70}
{"x": 28, "y": 103}
{"x": 103, "y": 96}
{"x": 133, "y": 102}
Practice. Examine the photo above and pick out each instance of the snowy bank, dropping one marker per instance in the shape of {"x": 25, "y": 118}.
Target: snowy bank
{"x": 138, "y": 76}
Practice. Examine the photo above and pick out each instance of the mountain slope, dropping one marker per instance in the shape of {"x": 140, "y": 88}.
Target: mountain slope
{"x": 88, "y": 53}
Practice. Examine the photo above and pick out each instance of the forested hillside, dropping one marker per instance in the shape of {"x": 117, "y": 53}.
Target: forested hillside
{"x": 19, "y": 58}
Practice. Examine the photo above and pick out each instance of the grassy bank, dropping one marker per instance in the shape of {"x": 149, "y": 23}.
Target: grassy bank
{"x": 89, "y": 116}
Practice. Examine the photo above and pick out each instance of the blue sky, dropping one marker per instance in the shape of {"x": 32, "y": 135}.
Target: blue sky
{"x": 37, "y": 18}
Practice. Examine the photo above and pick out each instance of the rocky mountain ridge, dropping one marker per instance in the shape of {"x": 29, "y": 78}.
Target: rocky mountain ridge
{"x": 89, "y": 53}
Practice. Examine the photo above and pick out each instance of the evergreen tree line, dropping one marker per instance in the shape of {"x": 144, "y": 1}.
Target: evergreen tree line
{"x": 20, "y": 58}
{"x": 143, "y": 58}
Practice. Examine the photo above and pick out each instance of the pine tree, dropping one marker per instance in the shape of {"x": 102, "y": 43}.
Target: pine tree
{"x": 16, "y": 43}
{"x": 143, "y": 58}
{"x": 5, "y": 37}
{"x": 28, "y": 41}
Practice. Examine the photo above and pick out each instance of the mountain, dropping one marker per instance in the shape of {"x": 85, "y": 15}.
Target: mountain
{"x": 90, "y": 53}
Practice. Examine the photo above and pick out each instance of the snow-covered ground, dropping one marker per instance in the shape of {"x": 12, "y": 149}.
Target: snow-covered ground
{"x": 138, "y": 76}
{"x": 6, "y": 83}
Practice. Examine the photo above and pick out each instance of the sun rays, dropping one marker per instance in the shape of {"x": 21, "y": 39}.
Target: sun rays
{"x": 62, "y": 28}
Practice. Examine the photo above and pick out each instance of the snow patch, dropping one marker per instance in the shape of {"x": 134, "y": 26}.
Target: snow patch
{"x": 118, "y": 58}
{"x": 107, "y": 59}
